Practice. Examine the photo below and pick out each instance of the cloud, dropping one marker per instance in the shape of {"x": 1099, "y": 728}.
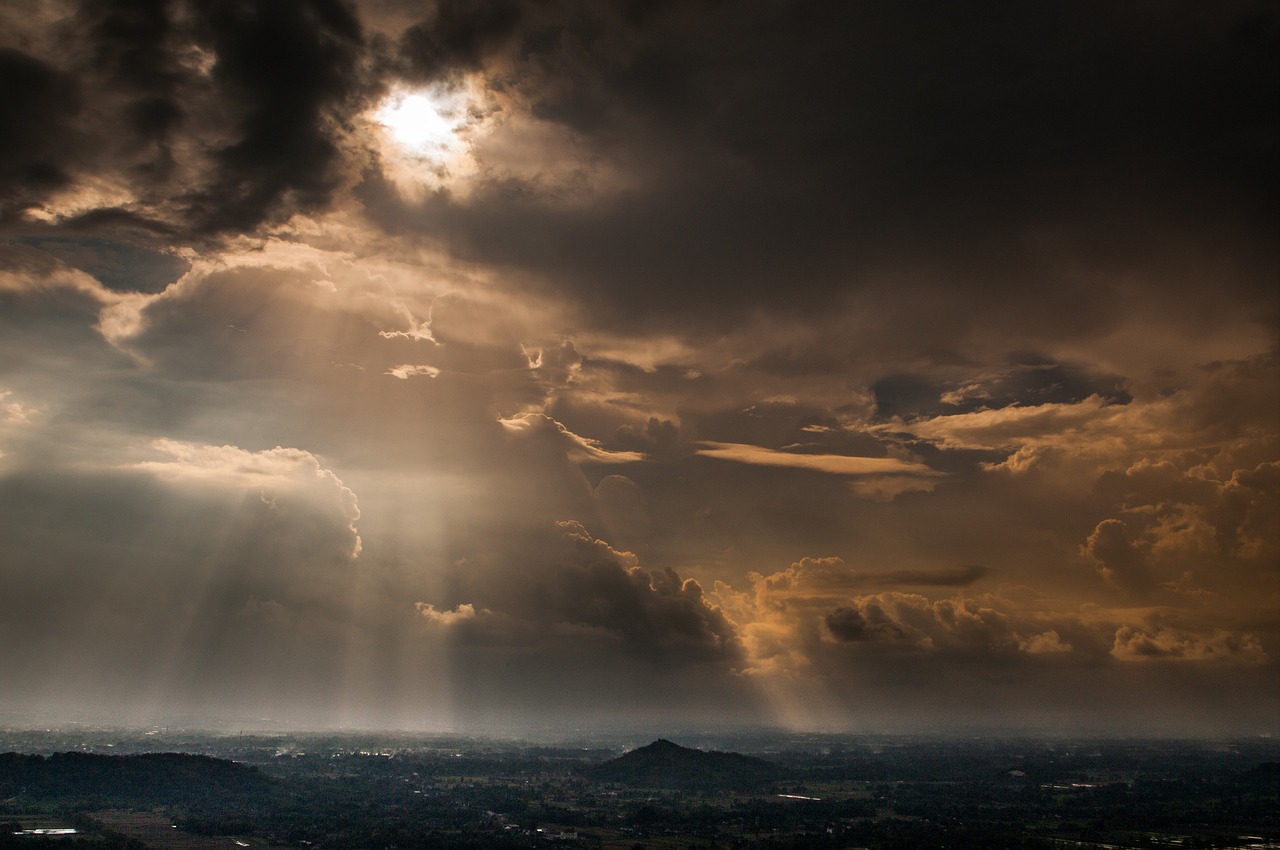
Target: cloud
{"x": 15, "y": 412}
{"x": 536, "y": 426}
{"x": 120, "y": 267}
{"x": 406, "y": 370}
{"x": 580, "y": 590}
{"x": 14, "y": 416}
{"x": 623, "y": 509}
{"x": 34, "y": 276}
{"x": 850, "y": 625}
{"x": 1010, "y": 427}
{"x": 1045, "y": 643}
{"x": 289, "y": 65}
{"x": 1250, "y": 517}
{"x": 37, "y": 107}
{"x": 213, "y": 577}
{"x": 1189, "y": 509}
{"x": 828, "y": 463}
{"x": 1031, "y": 380}
{"x": 805, "y": 620}
{"x": 955, "y": 625}
{"x": 740, "y": 175}
{"x": 445, "y": 619}
{"x": 828, "y": 575}
{"x": 458, "y": 36}
{"x": 956, "y": 577}
{"x": 1194, "y": 522}
{"x": 795, "y": 621}
{"x": 1139, "y": 644}
{"x": 1219, "y": 403}
{"x": 1119, "y": 560}
{"x": 209, "y": 121}
{"x": 418, "y": 330}
{"x": 278, "y": 471}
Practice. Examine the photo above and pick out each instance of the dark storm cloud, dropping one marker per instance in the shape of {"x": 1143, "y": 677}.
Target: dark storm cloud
{"x": 210, "y": 119}
{"x": 132, "y": 44}
{"x": 597, "y": 593}
{"x": 130, "y": 41}
{"x": 659, "y": 610}
{"x": 786, "y": 155}
{"x": 792, "y": 154}
{"x": 287, "y": 66}
{"x": 457, "y": 36}
{"x": 37, "y": 102}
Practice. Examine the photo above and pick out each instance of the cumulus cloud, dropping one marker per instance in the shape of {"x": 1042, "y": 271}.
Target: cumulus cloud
{"x": 279, "y": 471}
{"x": 1189, "y": 508}
{"x": 792, "y": 619}
{"x": 444, "y": 619}
{"x": 1048, "y": 642}
{"x": 1145, "y": 644}
{"x": 812, "y": 617}
{"x": 581, "y": 591}
{"x": 211, "y": 576}
{"x": 1120, "y": 561}
{"x": 952, "y": 625}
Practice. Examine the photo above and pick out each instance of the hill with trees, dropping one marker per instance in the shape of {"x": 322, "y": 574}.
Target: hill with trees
{"x": 152, "y": 778}
{"x": 663, "y": 764}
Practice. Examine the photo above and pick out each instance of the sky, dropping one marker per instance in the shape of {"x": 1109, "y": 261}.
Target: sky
{"x": 497, "y": 365}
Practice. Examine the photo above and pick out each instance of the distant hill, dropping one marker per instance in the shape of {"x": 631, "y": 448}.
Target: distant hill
{"x": 663, "y": 764}
{"x": 151, "y": 778}
{"x": 1267, "y": 773}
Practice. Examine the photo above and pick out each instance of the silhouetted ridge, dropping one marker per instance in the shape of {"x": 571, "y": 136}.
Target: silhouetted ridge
{"x": 663, "y": 764}
{"x": 1267, "y": 773}
{"x": 151, "y": 777}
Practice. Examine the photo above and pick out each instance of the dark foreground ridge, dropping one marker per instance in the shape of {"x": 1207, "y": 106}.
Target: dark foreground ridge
{"x": 148, "y": 777}
{"x": 663, "y": 764}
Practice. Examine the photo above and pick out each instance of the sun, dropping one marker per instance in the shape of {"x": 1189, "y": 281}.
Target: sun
{"x": 415, "y": 121}
{"x": 425, "y": 138}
